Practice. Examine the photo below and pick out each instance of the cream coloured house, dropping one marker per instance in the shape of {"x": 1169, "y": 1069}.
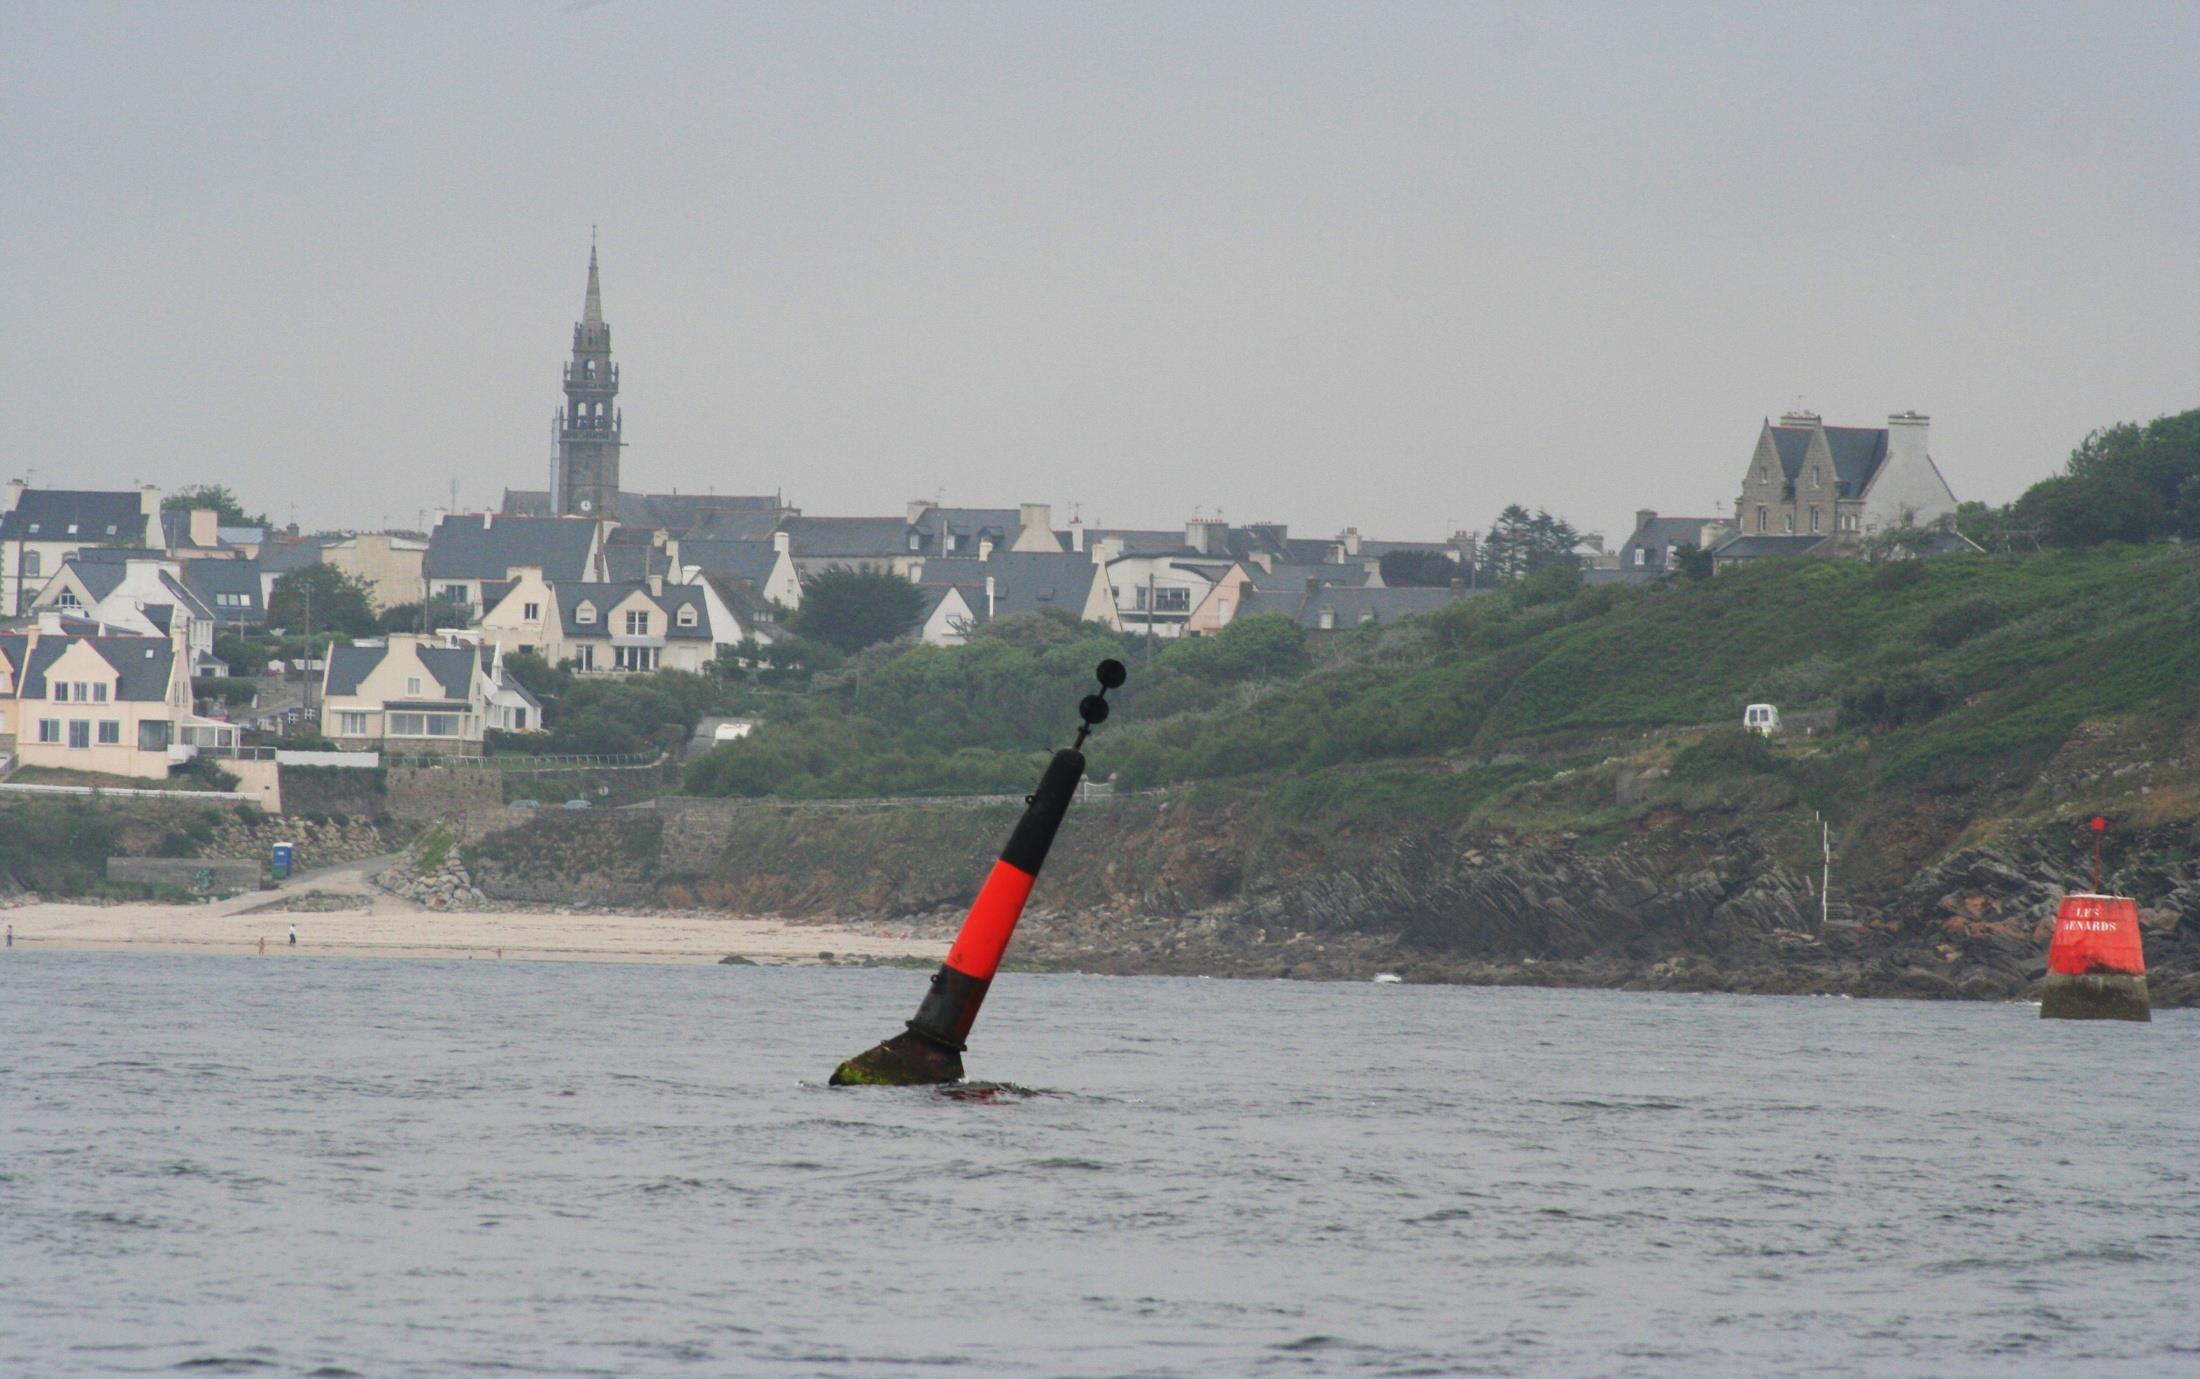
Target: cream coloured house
{"x": 115, "y": 705}
{"x": 413, "y": 694}
{"x": 636, "y": 627}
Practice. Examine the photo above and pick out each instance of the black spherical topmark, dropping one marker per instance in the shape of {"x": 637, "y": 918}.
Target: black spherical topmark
{"x": 1111, "y": 674}
{"x": 1093, "y": 709}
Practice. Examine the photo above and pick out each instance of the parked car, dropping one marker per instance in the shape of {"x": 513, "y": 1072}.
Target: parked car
{"x": 1761, "y": 719}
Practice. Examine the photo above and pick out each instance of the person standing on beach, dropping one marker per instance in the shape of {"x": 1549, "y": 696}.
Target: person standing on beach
{"x": 294, "y": 936}
{"x": 11, "y": 936}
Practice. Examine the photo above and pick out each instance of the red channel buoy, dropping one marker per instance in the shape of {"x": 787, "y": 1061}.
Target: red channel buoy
{"x": 2096, "y": 968}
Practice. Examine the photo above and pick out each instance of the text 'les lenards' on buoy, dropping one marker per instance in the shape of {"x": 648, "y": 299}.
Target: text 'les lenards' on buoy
{"x": 2096, "y": 969}
{"x": 930, "y": 1050}
{"x": 2096, "y": 966}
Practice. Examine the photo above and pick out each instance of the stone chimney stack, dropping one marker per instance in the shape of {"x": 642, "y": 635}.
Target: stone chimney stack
{"x": 11, "y": 495}
{"x": 985, "y": 548}
{"x": 1801, "y": 420}
{"x": 917, "y": 508}
{"x": 1077, "y": 534}
{"x": 1351, "y": 540}
{"x": 205, "y": 527}
{"x": 1207, "y": 535}
{"x": 783, "y": 542}
{"x": 149, "y": 501}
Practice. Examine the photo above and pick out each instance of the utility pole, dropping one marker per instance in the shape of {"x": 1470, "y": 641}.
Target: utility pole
{"x": 1149, "y": 616}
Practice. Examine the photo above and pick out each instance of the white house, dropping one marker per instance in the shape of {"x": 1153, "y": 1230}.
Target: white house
{"x": 141, "y": 594}
{"x": 40, "y": 527}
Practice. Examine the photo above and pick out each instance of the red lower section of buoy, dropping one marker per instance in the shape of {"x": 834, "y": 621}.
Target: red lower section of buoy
{"x": 993, "y": 915}
{"x": 2097, "y": 934}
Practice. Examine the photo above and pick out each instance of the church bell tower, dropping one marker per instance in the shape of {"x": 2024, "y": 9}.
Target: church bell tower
{"x": 584, "y": 477}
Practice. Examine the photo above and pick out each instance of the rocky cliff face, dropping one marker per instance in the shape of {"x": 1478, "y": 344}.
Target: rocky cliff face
{"x": 1688, "y": 901}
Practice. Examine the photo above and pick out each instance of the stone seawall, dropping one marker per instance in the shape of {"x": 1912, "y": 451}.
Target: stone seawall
{"x": 219, "y": 874}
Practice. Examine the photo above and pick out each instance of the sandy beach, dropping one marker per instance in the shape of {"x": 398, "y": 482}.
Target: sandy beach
{"x": 373, "y": 923}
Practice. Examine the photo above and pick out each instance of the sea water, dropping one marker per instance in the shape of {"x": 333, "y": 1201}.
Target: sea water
{"x": 289, "y": 1165}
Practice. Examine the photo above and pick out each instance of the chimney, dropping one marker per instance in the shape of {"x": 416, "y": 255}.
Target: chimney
{"x": 985, "y": 548}
{"x": 11, "y": 495}
{"x": 1077, "y": 534}
{"x": 149, "y": 501}
{"x": 1351, "y": 540}
{"x": 1801, "y": 420}
{"x": 1207, "y": 535}
{"x": 989, "y": 596}
{"x": 657, "y": 586}
{"x": 783, "y": 543}
{"x": 488, "y": 520}
{"x": 1644, "y": 517}
{"x": 917, "y": 508}
{"x": 1313, "y": 585}
{"x": 205, "y": 527}
{"x": 1906, "y": 437}
{"x": 1036, "y": 517}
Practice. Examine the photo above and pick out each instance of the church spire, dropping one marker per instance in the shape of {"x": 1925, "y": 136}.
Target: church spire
{"x": 592, "y": 308}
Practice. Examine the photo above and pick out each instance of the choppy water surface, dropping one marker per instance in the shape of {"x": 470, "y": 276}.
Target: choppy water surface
{"x": 299, "y": 1166}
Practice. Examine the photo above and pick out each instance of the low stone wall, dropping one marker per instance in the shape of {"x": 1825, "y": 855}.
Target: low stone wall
{"x": 220, "y": 874}
{"x": 418, "y": 794}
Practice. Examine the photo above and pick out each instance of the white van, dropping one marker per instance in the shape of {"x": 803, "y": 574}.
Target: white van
{"x": 1761, "y": 719}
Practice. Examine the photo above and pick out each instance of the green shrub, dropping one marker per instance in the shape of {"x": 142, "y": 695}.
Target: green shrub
{"x": 1957, "y": 624}
{"x": 1895, "y": 700}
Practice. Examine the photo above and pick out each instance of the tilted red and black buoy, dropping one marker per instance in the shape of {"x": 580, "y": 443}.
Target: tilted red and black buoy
{"x": 930, "y": 1050}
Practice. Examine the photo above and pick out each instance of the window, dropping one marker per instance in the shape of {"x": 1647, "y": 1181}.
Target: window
{"x": 532, "y": 612}
{"x": 1787, "y": 523}
{"x": 412, "y": 684}
{"x": 80, "y": 733}
{"x": 351, "y": 723}
{"x": 99, "y": 692}
{"x": 30, "y": 561}
{"x": 1761, "y": 520}
{"x": 59, "y": 692}
{"x": 1642, "y": 557}
{"x": 1763, "y": 472}
{"x": 1814, "y": 477}
{"x": 637, "y": 622}
{"x": 110, "y": 732}
{"x": 634, "y": 657}
{"x": 916, "y": 541}
{"x": 67, "y": 599}
{"x": 687, "y": 615}
{"x": 153, "y": 734}
{"x": 423, "y": 725}
{"x": 49, "y": 730}
{"x": 1814, "y": 519}
{"x": 585, "y": 614}
{"x": 72, "y": 529}
{"x": 584, "y": 657}
{"x": 1172, "y": 600}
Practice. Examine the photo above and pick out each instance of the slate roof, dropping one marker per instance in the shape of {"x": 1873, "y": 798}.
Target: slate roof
{"x": 607, "y": 596}
{"x": 46, "y": 514}
{"x": 114, "y": 555}
{"x": 821, "y": 538}
{"x": 1858, "y": 451}
{"x": 141, "y": 664}
{"x": 753, "y": 561}
{"x": 451, "y": 667}
{"x": 1351, "y": 607}
{"x": 632, "y": 554}
{"x": 1662, "y": 534}
{"x": 743, "y": 601}
{"x": 292, "y": 553}
{"x": 970, "y": 525}
{"x": 99, "y": 577}
{"x": 1763, "y": 547}
{"x": 1293, "y": 577}
{"x": 682, "y": 512}
{"x": 208, "y": 579}
{"x": 1023, "y": 582}
{"x": 477, "y": 546}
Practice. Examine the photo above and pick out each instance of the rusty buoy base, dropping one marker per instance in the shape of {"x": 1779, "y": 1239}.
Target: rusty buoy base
{"x": 2095, "y": 996}
{"x": 908, "y": 1059}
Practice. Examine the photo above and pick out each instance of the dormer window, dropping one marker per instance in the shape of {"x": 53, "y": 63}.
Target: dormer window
{"x": 687, "y": 615}
{"x": 637, "y": 622}
{"x": 585, "y": 614}
{"x": 72, "y": 529}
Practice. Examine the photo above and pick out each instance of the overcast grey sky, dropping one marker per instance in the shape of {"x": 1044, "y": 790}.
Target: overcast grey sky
{"x": 1393, "y": 265}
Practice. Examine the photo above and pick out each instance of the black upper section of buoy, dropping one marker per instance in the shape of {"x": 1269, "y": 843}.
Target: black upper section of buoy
{"x": 1093, "y": 709}
{"x": 1027, "y": 846}
{"x": 1111, "y": 674}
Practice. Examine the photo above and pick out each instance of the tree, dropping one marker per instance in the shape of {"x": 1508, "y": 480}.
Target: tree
{"x": 405, "y": 617}
{"x": 1692, "y": 562}
{"x": 324, "y": 598}
{"x": 1520, "y": 543}
{"x": 852, "y": 609}
{"x": 1420, "y": 570}
{"x": 218, "y": 497}
{"x": 2122, "y": 483}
